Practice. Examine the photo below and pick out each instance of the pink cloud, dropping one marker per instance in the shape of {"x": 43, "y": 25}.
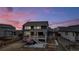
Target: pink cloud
{"x": 10, "y": 15}
{"x": 65, "y": 23}
{"x": 13, "y": 18}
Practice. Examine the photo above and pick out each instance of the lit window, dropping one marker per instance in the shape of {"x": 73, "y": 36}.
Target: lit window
{"x": 26, "y": 33}
{"x": 38, "y": 27}
{"x": 35, "y": 27}
{"x": 28, "y": 27}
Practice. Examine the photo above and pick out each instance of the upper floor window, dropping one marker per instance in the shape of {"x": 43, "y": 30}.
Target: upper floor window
{"x": 27, "y": 27}
{"x": 37, "y": 27}
{"x": 32, "y": 27}
{"x": 44, "y": 27}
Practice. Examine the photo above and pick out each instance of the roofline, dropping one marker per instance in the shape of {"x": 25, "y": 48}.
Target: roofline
{"x": 8, "y": 25}
{"x": 35, "y": 21}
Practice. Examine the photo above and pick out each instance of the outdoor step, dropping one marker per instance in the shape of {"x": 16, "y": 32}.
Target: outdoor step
{"x": 49, "y": 46}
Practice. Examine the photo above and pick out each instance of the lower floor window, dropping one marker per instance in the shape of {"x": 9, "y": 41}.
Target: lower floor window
{"x": 42, "y": 40}
{"x": 40, "y": 33}
{"x": 32, "y": 33}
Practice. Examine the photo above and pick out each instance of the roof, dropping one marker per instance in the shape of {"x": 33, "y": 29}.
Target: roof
{"x": 35, "y": 23}
{"x": 70, "y": 28}
{"x": 6, "y": 26}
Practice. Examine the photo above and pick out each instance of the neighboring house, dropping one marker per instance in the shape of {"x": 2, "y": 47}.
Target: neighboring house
{"x": 50, "y": 33}
{"x": 71, "y": 32}
{"x": 6, "y": 31}
{"x": 19, "y": 34}
{"x": 36, "y": 31}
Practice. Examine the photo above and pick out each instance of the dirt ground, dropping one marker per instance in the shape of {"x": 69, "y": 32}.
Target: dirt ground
{"x": 18, "y": 46}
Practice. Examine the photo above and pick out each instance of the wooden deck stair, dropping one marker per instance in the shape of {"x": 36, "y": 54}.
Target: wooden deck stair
{"x": 50, "y": 43}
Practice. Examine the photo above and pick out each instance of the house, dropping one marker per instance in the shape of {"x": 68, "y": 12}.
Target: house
{"x": 50, "y": 33}
{"x": 19, "y": 34}
{"x": 35, "y": 32}
{"x": 6, "y": 31}
{"x": 71, "y": 32}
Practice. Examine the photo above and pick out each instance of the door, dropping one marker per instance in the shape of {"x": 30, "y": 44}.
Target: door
{"x": 76, "y": 37}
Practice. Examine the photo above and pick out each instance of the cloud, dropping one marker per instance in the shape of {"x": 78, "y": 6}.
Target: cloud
{"x": 15, "y": 18}
{"x": 65, "y": 23}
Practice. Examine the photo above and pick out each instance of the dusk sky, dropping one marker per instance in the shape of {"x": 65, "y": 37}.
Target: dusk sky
{"x": 57, "y": 16}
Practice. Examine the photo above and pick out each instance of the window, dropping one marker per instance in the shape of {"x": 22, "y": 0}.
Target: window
{"x": 37, "y": 27}
{"x": 32, "y": 33}
{"x": 76, "y": 34}
{"x": 44, "y": 27}
{"x": 14, "y": 33}
{"x": 40, "y": 33}
{"x": 27, "y": 27}
{"x": 26, "y": 33}
{"x": 8, "y": 33}
{"x": 41, "y": 40}
{"x": 73, "y": 33}
{"x": 32, "y": 27}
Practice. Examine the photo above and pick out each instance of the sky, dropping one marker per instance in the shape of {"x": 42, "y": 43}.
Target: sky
{"x": 56, "y": 16}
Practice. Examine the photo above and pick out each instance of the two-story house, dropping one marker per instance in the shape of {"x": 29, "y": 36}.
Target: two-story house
{"x": 36, "y": 31}
{"x": 7, "y": 31}
{"x": 71, "y": 32}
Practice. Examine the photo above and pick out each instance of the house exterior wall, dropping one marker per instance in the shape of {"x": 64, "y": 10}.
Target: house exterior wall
{"x": 2, "y": 34}
{"x": 78, "y": 36}
{"x": 71, "y": 32}
{"x": 70, "y": 35}
{"x": 27, "y": 31}
{"x": 6, "y": 31}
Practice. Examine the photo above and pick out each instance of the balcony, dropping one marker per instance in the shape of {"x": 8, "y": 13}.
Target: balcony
{"x": 35, "y": 27}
